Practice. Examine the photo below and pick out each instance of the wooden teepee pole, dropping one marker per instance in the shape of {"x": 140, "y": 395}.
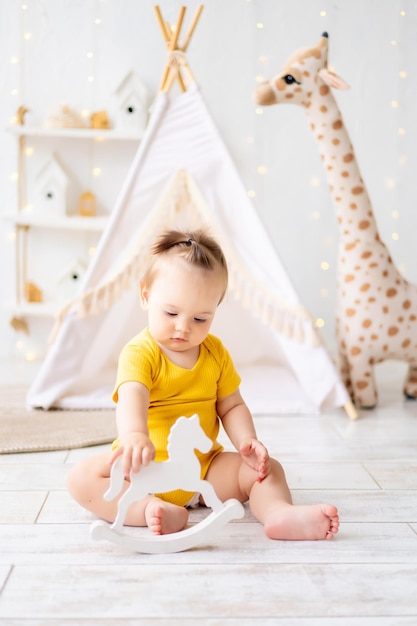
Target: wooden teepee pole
{"x": 176, "y": 63}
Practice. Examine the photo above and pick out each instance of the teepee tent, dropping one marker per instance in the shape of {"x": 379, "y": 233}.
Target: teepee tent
{"x": 182, "y": 175}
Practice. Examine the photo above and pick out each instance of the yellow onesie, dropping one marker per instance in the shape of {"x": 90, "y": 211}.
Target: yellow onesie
{"x": 175, "y": 391}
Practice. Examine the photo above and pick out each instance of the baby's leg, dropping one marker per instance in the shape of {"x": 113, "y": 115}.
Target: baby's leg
{"x": 270, "y": 500}
{"x": 271, "y": 503}
{"x": 89, "y": 480}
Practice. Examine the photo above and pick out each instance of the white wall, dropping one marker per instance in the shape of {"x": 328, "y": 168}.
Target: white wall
{"x": 370, "y": 44}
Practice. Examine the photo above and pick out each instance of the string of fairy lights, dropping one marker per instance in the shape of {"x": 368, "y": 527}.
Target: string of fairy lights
{"x": 31, "y": 12}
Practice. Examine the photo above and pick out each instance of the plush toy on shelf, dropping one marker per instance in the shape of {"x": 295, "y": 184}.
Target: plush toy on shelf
{"x": 33, "y": 293}
{"x": 377, "y": 307}
{"x": 100, "y": 120}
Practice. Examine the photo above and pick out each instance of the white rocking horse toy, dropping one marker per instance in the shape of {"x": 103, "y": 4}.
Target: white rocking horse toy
{"x": 180, "y": 471}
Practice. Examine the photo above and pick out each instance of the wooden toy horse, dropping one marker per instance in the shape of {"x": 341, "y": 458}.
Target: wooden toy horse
{"x": 180, "y": 471}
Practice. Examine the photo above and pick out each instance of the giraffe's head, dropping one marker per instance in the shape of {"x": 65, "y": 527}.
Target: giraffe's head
{"x": 301, "y": 77}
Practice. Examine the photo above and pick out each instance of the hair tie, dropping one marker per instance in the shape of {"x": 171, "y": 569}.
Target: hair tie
{"x": 189, "y": 242}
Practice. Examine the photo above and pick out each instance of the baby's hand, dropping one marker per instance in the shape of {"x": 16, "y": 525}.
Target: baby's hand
{"x": 136, "y": 450}
{"x": 256, "y": 456}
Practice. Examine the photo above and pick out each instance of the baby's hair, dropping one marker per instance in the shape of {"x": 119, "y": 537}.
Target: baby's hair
{"x": 196, "y": 247}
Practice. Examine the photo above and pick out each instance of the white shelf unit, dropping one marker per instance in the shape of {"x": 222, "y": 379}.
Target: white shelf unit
{"x": 29, "y": 223}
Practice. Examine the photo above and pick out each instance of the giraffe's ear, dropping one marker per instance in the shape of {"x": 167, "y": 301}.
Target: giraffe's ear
{"x": 332, "y": 79}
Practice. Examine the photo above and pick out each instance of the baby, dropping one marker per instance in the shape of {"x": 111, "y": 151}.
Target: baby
{"x": 174, "y": 367}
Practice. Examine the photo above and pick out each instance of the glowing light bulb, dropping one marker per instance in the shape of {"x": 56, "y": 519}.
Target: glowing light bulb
{"x": 259, "y": 25}
{"x": 27, "y": 36}
{"x": 90, "y": 54}
{"x": 395, "y": 104}
{"x": 261, "y": 169}
{"x": 390, "y": 183}
{"x": 251, "y": 193}
{"x": 91, "y": 251}
{"x": 394, "y": 42}
{"x": 259, "y": 78}
{"x": 403, "y": 74}
{"x": 30, "y": 356}
{"x": 319, "y": 322}
{"x": 395, "y": 214}
{"x": 259, "y": 111}
{"x": 324, "y": 266}
{"x": 315, "y": 181}
{"x": 97, "y": 171}
{"x": 401, "y": 131}
{"x": 323, "y": 13}
{"x": 395, "y": 236}
{"x": 90, "y": 79}
{"x": 14, "y": 59}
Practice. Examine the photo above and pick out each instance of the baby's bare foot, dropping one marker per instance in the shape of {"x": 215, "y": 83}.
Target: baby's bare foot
{"x": 317, "y": 521}
{"x": 163, "y": 518}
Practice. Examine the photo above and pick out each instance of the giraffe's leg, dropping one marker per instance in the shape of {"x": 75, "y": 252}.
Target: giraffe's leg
{"x": 410, "y": 385}
{"x": 365, "y": 393}
{"x": 344, "y": 368}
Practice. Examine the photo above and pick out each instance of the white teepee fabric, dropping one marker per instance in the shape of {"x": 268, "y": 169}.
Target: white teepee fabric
{"x": 182, "y": 175}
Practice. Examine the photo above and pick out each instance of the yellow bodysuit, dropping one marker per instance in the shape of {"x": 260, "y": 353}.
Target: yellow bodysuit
{"x": 175, "y": 392}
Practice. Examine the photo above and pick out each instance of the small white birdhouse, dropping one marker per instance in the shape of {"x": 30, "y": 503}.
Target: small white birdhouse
{"x": 70, "y": 280}
{"x": 51, "y": 187}
{"x": 131, "y": 104}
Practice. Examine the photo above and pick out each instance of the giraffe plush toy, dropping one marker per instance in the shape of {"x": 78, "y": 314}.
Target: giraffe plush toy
{"x": 377, "y": 308}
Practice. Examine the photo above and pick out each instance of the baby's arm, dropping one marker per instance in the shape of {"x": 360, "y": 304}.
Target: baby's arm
{"x": 135, "y": 446}
{"x": 238, "y": 424}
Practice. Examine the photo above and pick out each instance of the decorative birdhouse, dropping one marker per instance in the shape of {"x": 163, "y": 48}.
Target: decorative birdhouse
{"x": 51, "y": 188}
{"x": 132, "y": 104}
{"x": 87, "y": 204}
{"x": 70, "y": 280}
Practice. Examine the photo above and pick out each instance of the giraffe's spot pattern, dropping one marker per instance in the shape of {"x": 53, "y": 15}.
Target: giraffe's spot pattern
{"x": 362, "y": 384}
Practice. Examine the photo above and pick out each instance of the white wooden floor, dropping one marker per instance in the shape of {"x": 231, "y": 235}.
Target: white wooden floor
{"x": 51, "y": 573}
